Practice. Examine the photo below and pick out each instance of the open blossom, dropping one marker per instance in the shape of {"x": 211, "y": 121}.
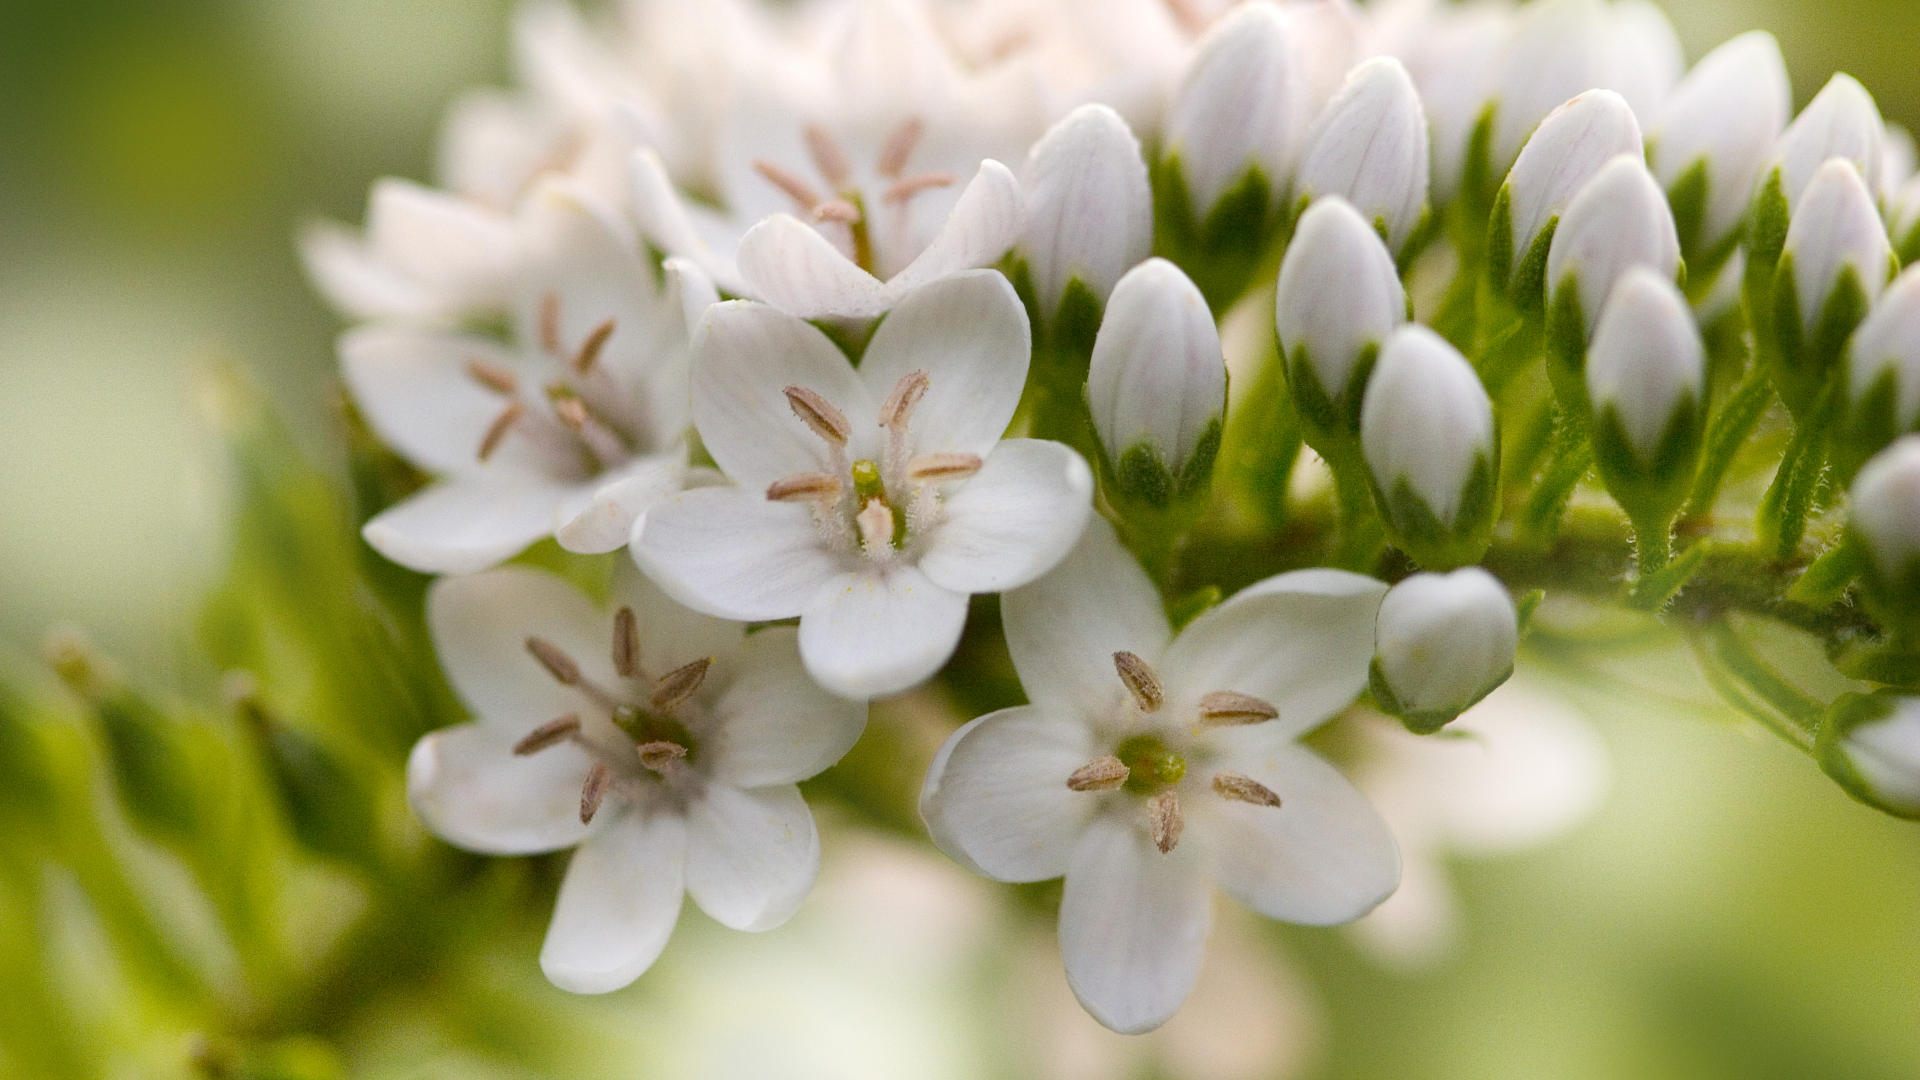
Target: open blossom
{"x": 1151, "y": 766}
{"x": 662, "y": 745}
{"x": 869, "y": 502}
{"x": 425, "y": 255}
{"x": 568, "y": 432}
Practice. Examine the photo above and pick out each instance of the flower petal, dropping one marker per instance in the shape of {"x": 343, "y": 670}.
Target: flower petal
{"x": 480, "y": 625}
{"x": 665, "y": 219}
{"x": 968, "y": 334}
{"x": 1133, "y": 926}
{"x": 751, "y": 855}
{"x": 1300, "y": 641}
{"x": 464, "y": 526}
{"x": 414, "y": 388}
{"x": 469, "y": 789}
{"x": 670, "y": 633}
{"x": 601, "y": 520}
{"x": 774, "y": 725}
{"x": 870, "y": 633}
{"x": 1013, "y": 520}
{"x": 733, "y": 553}
{"x": 787, "y": 263}
{"x": 618, "y": 903}
{"x": 1063, "y": 629}
{"x": 985, "y": 221}
{"x": 996, "y": 798}
{"x": 1323, "y": 857}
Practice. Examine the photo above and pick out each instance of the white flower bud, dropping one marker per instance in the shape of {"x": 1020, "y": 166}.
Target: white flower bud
{"x": 1555, "y": 52}
{"x": 1238, "y": 107}
{"x": 1158, "y": 383}
{"x": 1886, "y": 349}
{"x": 1884, "y": 505}
{"x": 1723, "y": 119}
{"x": 1370, "y": 146}
{"x": 1871, "y": 746}
{"x": 1903, "y": 219}
{"x": 1642, "y": 60}
{"x": 1338, "y": 297}
{"x": 1840, "y": 122}
{"x": 1426, "y": 429}
{"x": 1089, "y": 206}
{"x": 1898, "y": 158}
{"x": 1571, "y": 146}
{"x": 1647, "y": 363}
{"x": 1443, "y": 642}
{"x": 1619, "y": 221}
{"x": 1835, "y": 229}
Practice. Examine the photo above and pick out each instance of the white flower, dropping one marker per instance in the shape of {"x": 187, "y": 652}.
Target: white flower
{"x": 1150, "y": 766}
{"x": 1444, "y": 642}
{"x": 1369, "y": 146}
{"x": 569, "y": 433}
{"x": 1573, "y": 143}
{"x": 1871, "y": 745}
{"x": 1158, "y": 378}
{"x": 1840, "y": 122}
{"x": 1619, "y": 221}
{"x": 1884, "y": 505}
{"x": 1836, "y": 230}
{"x": 1089, "y": 206}
{"x": 1339, "y": 296}
{"x": 870, "y": 502}
{"x": 426, "y": 255}
{"x": 1239, "y": 108}
{"x": 1453, "y": 54}
{"x": 1426, "y": 427}
{"x": 1887, "y": 346}
{"x": 663, "y": 745}
{"x": 1647, "y": 362}
{"x": 1724, "y": 117}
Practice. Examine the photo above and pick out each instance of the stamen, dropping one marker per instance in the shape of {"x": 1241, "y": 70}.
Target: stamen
{"x": 552, "y": 733}
{"x": 1103, "y": 774}
{"x": 875, "y": 522}
{"x": 1188, "y": 15}
{"x": 493, "y": 376}
{"x": 804, "y": 487}
{"x": 1244, "y": 789}
{"x": 942, "y": 468}
{"x": 906, "y": 188}
{"x": 558, "y": 664}
{"x": 1224, "y": 708}
{"x": 678, "y": 685}
{"x": 827, "y": 156}
{"x": 497, "y": 430}
{"x": 626, "y": 643}
{"x": 550, "y": 323}
{"x": 594, "y": 790}
{"x": 839, "y": 210}
{"x": 605, "y": 443}
{"x": 571, "y": 411}
{"x": 1141, "y": 682}
{"x": 660, "y": 754}
{"x": 899, "y": 146}
{"x": 1166, "y": 820}
{"x": 589, "y": 353}
{"x": 899, "y": 406}
{"x": 819, "y": 414}
{"x": 795, "y": 188}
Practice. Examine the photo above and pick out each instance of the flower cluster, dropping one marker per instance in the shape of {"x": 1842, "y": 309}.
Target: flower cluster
{"x": 835, "y": 316}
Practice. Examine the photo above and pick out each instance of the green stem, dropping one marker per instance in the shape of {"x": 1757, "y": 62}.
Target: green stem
{"x": 1726, "y": 434}
{"x": 1784, "y": 509}
{"x": 1789, "y": 713}
{"x": 1362, "y": 535}
{"x": 1572, "y": 457}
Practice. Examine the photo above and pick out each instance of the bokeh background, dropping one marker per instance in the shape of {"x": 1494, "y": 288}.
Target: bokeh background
{"x": 1727, "y": 913}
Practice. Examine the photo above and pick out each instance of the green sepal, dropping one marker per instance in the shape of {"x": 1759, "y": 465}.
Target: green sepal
{"x": 1499, "y": 242}
{"x": 1141, "y": 476}
{"x": 1867, "y": 425}
{"x": 1906, "y": 247}
{"x": 1433, "y": 544}
{"x": 1829, "y": 577}
{"x": 1687, "y": 198}
{"x": 1182, "y": 610}
{"x": 1223, "y": 251}
{"x": 329, "y": 805}
{"x": 1767, "y": 224}
{"x": 1803, "y": 361}
{"x": 1889, "y": 665}
{"x": 1567, "y": 344}
{"x": 1421, "y": 721}
{"x": 1891, "y": 595}
{"x": 1846, "y": 715}
{"x": 1330, "y": 422}
{"x": 1654, "y": 487}
{"x": 1522, "y": 281}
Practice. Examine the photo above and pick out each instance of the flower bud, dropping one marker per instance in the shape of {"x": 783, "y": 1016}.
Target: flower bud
{"x": 1642, "y": 58}
{"x": 1236, "y": 113}
{"x": 1338, "y": 299}
{"x": 1443, "y": 642}
{"x": 1089, "y": 206}
{"x": 1841, "y": 122}
{"x": 1568, "y": 150}
{"x": 1556, "y": 51}
{"x": 1647, "y": 379}
{"x": 1884, "y": 519}
{"x": 1369, "y": 146}
{"x": 1426, "y": 429}
{"x": 1620, "y": 220}
{"x": 1713, "y": 136}
{"x": 1157, "y": 384}
{"x": 1883, "y": 376}
{"x": 1836, "y": 262}
{"x": 1870, "y": 746}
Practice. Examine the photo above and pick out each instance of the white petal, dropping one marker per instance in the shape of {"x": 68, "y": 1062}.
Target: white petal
{"x": 996, "y": 798}
{"x": 1089, "y": 205}
{"x": 969, "y": 334}
{"x": 1300, "y": 641}
{"x": 1445, "y": 640}
{"x": 1013, "y": 520}
{"x": 1322, "y": 857}
{"x": 987, "y": 219}
{"x": 745, "y": 355}
{"x": 575, "y": 250}
{"x": 480, "y": 625}
{"x": 733, "y": 553}
{"x": 468, "y": 788}
{"x": 773, "y": 725}
{"x": 1619, "y": 221}
{"x": 1889, "y": 342}
{"x": 665, "y": 219}
{"x": 618, "y": 903}
{"x": 787, "y": 263}
{"x": 1841, "y": 121}
{"x": 1836, "y": 226}
{"x": 1728, "y": 112}
{"x": 356, "y": 282}
{"x": 670, "y": 634}
{"x": 751, "y": 855}
{"x": 1158, "y": 375}
{"x": 604, "y": 520}
{"x": 461, "y": 253}
{"x": 413, "y": 387}
{"x": 464, "y": 526}
{"x": 1369, "y": 146}
{"x": 868, "y": 634}
{"x": 1063, "y": 629}
{"x": 1133, "y": 926}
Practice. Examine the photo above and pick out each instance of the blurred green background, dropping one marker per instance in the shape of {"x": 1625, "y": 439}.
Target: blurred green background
{"x": 1729, "y": 913}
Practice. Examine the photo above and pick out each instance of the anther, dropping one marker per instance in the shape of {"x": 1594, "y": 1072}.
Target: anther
{"x": 875, "y": 521}
{"x": 942, "y": 468}
{"x": 660, "y": 754}
{"x": 839, "y": 210}
{"x": 899, "y": 406}
{"x": 1189, "y": 15}
{"x": 571, "y": 411}
{"x": 589, "y": 353}
{"x": 552, "y": 733}
{"x": 899, "y": 147}
{"x": 550, "y": 323}
{"x": 1166, "y": 820}
{"x": 1225, "y": 708}
{"x": 1103, "y": 774}
{"x": 1244, "y": 789}
{"x": 803, "y": 487}
{"x": 626, "y": 643}
{"x": 678, "y": 685}
{"x": 795, "y": 188}
{"x": 906, "y": 188}
{"x": 497, "y": 431}
{"x": 594, "y": 791}
{"x": 558, "y": 664}
{"x": 1141, "y": 682}
{"x": 493, "y": 376}
{"x": 819, "y": 414}
{"x": 827, "y": 156}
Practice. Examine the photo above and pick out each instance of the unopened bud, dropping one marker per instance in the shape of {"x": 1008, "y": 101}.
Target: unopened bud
{"x": 1841, "y": 121}
{"x": 1870, "y": 745}
{"x": 1089, "y": 207}
{"x": 1443, "y": 642}
{"x": 1369, "y": 146}
{"x": 1884, "y": 519}
{"x": 1337, "y": 301}
{"x": 1712, "y": 139}
{"x": 1647, "y": 380}
{"x": 1620, "y": 220}
{"x": 1237, "y": 113}
{"x": 1835, "y": 264}
{"x": 1157, "y": 385}
{"x": 1573, "y": 143}
{"x": 1883, "y": 376}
